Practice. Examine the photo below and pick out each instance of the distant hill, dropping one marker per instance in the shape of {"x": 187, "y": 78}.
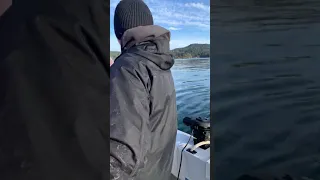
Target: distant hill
{"x": 114, "y": 54}
{"x": 191, "y": 51}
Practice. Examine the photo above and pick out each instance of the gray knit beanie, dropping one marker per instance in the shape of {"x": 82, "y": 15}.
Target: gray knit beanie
{"x": 130, "y": 14}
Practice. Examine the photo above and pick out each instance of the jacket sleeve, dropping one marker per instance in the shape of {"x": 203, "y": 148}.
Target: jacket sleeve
{"x": 129, "y": 116}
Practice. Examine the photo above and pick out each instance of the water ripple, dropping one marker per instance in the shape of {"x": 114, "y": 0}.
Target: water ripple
{"x": 192, "y": 82}
{"x": 266, "y": 88}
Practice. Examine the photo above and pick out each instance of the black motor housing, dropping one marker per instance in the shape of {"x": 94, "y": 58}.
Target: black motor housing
{"x": 201, "y": 129}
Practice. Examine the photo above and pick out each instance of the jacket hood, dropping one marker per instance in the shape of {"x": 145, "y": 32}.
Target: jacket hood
{"x": 151, "y": 42}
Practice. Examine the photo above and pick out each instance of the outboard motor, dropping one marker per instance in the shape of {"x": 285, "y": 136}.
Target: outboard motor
{"x": 200, "y": 128}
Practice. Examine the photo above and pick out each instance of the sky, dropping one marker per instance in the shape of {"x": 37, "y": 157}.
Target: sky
{"x": 188, "y": 21}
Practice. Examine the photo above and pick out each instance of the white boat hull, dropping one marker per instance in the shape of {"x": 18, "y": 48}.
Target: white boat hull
{"x": 194, "y": 166}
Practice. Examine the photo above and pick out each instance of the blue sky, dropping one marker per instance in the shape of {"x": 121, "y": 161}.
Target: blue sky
{"x": 188, "y": 21}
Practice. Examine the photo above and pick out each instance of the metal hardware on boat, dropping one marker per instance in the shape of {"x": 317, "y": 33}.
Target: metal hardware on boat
{"x": 201, "y": 131}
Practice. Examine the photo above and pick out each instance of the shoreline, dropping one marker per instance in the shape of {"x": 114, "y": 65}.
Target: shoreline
{"x": 192, "y": 58}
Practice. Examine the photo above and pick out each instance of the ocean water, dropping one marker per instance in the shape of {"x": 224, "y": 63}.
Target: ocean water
{"x": 192, "y": 83}
{"x": 266, "y": 88}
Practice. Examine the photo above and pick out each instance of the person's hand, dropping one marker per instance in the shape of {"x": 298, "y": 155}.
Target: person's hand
{"x": 111, "y": 61}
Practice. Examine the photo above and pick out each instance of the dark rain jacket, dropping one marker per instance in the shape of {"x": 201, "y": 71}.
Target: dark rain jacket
{"x": 54, "y": 90}
{"x": 143, "y": 116}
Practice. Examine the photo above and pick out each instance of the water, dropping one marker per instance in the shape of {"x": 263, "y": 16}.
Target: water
{"x": 266, "y": 88}
{"x": 192, "y": 83}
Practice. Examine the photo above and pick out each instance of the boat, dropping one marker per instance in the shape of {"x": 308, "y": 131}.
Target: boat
{"x": 195, "y": 164}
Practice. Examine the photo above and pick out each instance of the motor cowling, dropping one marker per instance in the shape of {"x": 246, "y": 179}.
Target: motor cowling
{"x": 200, "y": 128}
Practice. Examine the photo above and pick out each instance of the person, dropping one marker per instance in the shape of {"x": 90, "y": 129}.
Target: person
{"x": 143, "y": 114}
{"x": 54, "y": 90}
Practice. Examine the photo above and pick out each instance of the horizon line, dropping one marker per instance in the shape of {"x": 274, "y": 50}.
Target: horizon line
{"x": 171, "y": 49}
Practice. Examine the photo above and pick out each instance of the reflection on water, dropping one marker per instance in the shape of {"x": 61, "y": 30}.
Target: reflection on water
{"x": 266, "y": 88}
{"x": 192, "y": 83}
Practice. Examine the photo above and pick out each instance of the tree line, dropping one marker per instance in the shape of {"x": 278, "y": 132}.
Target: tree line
{"x": 191, "y": 51}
